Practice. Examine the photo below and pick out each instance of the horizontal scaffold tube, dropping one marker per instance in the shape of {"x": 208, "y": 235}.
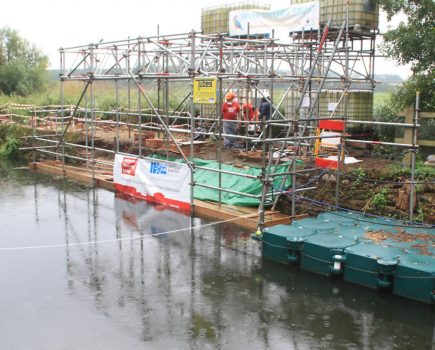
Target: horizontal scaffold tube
{"x": 75, "y": 145}
{"x": 226, "y": 190}
{"x": 274, "y": 193}
{"x": 297, "y": 138}
{"x": 74, "y": 157}
{"x": 227, "y": 172}
{"x": 294, "y": 172}
{"x": 36, "y": 148}
{"x": 405, "y": 125}
{"x": 405, "y": 145}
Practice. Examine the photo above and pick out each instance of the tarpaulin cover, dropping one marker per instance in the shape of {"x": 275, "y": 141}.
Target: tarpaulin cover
{"x": 233, "y": 183}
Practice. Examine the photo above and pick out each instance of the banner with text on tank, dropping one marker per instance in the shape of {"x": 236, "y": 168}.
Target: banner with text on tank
{"x": 297, "y": 17}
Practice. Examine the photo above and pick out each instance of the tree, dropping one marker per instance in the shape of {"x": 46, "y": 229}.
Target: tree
{"x": 412, "y": 43}
{"x": 23, "y": 68}
{"x": 405, "y": 94}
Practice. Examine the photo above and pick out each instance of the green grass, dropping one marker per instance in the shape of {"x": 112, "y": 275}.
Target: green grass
{"x": 104, "y": 93}
{"x": 380, "y": 98}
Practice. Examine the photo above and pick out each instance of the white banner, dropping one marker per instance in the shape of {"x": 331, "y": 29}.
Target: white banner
{"x": 158, "y": 181}
{"x": 294, "y": 18}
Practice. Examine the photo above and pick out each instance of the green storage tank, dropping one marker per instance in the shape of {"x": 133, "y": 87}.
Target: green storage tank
{"x": 364, "y": 13}
{"x": 360, "y": 104}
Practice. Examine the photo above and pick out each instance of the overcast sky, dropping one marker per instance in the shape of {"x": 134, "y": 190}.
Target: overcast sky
{"x": 51, "y": 24}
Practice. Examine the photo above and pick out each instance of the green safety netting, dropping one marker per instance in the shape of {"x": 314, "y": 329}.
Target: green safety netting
{"x": 233, "y": 182}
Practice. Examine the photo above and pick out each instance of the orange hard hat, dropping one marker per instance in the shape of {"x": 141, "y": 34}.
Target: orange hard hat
{"x": 230, "y": 96}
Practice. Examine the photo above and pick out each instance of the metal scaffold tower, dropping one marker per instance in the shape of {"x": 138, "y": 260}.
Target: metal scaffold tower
{"x": 152, "y": 79}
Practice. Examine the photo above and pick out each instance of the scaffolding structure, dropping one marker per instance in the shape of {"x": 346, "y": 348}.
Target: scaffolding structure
{"x": 146, "y": 73}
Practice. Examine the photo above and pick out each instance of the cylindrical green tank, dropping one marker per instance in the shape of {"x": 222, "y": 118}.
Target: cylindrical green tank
{"x": 363, "y": 13}
{"x": 215, "y": 19}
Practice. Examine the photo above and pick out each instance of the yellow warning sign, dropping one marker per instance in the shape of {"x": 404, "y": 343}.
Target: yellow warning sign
{"x": 204, "y": 90}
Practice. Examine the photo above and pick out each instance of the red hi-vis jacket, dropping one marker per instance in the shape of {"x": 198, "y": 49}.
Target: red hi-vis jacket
{"x": 249, "y": 112}
{"x": 230, "y": 110}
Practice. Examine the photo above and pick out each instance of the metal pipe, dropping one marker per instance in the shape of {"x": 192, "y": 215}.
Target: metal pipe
{"x": 74, "y": 157}
{"x": 92, "y": 96}
{"x": 220, "y": 122}
{"x": 139, "y": 103}
{"x": 413, "y": 152}
{"x": 337, "y": 175}
{"x": 117, "y": 109}
{"x": 285, "y": 139}
{"x": 405, "y": 145}
{"x": 192, "y": 121}
{"x": 125, "y": 41}
{"x": 33, "y": 147}
{"x": 254, "y": 177}
{"x": 220, "y": 189}
{"x": 405, "y": 125}
{"x": 297, "y": 190}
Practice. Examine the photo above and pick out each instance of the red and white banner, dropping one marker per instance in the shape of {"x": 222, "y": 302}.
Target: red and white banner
{"x": 157, "y": 181}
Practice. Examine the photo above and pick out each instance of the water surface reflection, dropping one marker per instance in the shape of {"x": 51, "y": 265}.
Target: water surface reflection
{"x": 204, "y": 287}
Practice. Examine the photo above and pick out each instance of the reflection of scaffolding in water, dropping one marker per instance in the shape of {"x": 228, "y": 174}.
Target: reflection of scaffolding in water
{"x": 189, "y": 280}
{"x": 147, "y": 71}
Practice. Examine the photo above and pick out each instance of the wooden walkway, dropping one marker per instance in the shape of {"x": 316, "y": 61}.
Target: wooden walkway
{"x": 245, "y": 217}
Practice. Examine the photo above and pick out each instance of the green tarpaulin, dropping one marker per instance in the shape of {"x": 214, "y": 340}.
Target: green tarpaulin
{"x": 232, "y": 182}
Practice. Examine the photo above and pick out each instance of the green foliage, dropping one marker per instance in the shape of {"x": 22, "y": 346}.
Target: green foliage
{"x": 385, "y": 113}
{"x": 412, "y": 41}
{"x": 379, "y": 98}
{"x": 419, "y": 217}
{"x": 22, "y": 65}
{"x": 359, "y": 173}
{"x": 405, "y": 95}
{"x": 10, "y": 149}
{"x": 379, "y": 200}
{"x": 419, "y": 188}
{"x": 12, "y": 130}
{"x": 422, "y": 171}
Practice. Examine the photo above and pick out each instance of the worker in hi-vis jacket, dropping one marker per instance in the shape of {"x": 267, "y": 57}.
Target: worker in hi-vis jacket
{"x": 230, "y": 112}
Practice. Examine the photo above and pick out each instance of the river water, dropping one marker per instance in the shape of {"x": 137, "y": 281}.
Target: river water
{"x": 157, "y": 279}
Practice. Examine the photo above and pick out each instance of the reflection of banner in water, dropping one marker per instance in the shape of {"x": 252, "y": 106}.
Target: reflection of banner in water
{"x": 156, "y": 181}
{"x": 148, "y": 219}
{"x": 294, "y": 18}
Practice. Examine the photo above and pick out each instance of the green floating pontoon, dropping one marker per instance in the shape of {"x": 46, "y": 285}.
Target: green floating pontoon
{"x": 283, "y": 243}
{"x": 415, "y": 277}
{"x": 372, "y": 265}
{"x": 325, "y": 253}
{"x": 373, "y": 252}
